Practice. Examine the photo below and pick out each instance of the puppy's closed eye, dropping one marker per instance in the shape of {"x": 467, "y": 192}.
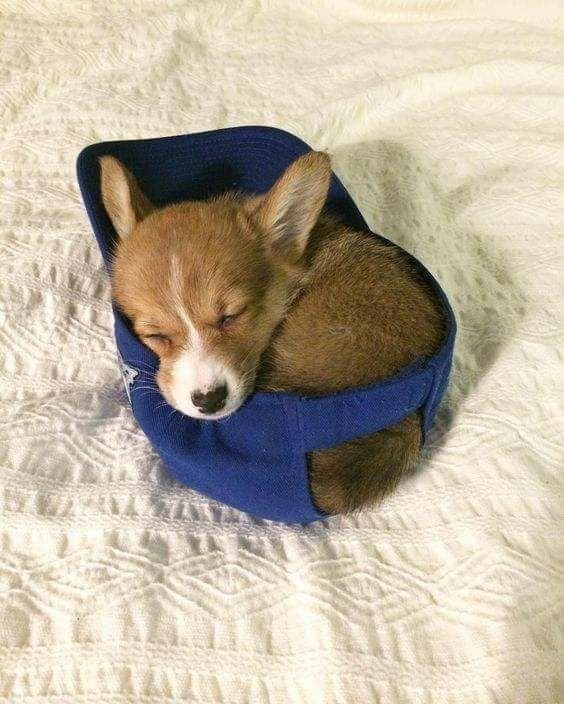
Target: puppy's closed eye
{"x": 224, "y": 321}
{"x": 157, "y": 337}
{"x": 227, "y": 319}
{"x": 157, "y": 341}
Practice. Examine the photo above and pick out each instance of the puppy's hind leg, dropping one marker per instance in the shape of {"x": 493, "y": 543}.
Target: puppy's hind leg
{"x": 361, "y": 472}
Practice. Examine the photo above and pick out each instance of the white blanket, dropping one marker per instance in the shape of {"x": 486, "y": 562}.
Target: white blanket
{"x": 445, "y": 121}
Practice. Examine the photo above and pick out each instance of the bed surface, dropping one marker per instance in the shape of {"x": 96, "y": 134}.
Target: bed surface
{"x": 444, "y": 121}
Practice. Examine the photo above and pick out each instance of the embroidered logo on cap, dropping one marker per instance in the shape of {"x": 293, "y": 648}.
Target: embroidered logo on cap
{"x": 129, "y": 374}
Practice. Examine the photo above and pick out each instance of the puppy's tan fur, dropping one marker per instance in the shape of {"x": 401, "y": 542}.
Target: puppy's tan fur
{"x": 311, "y": 305}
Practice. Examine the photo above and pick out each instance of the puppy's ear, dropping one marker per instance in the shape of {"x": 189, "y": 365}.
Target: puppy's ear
{"x": 125, "y": 202}
{"x": 288, "y": 212}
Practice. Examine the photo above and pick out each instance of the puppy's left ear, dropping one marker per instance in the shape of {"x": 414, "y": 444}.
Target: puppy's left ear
{"x": 125, "y": 202}
{"x": 288, "y": 212}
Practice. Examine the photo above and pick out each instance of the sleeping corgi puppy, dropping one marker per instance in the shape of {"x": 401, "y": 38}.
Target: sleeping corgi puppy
{"x": 268, "y": 292}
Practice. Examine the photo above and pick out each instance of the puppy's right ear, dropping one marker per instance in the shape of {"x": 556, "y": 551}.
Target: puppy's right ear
{"x": 125, "y": 202}
{"x": 290, "y": 209}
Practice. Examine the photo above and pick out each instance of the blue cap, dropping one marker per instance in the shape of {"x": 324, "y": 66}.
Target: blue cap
{"x": 254, "y": 460}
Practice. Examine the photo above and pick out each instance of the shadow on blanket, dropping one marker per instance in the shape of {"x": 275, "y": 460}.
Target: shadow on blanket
{"x": 400, "y": 194}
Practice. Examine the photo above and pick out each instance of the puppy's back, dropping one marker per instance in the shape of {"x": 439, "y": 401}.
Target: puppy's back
{"x": 365, "y": 313}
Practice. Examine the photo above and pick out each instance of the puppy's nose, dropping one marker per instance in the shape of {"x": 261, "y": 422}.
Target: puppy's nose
{"x": 210, "y": 401}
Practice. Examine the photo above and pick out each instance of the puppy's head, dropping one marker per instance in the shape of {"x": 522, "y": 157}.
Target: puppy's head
{"x": 205, "y": 284}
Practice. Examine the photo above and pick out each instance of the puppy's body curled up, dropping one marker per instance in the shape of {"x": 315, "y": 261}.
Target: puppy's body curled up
{"x": 268, "y": 292}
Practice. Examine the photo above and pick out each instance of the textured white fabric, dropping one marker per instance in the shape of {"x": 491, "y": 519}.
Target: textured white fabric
{"x": 445, "y": 121}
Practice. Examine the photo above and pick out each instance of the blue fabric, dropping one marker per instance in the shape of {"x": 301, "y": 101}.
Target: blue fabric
{"x": 255, "y": 460}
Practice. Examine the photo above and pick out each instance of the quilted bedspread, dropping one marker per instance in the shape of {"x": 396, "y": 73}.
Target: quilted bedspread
{"x": 445, "y": 121}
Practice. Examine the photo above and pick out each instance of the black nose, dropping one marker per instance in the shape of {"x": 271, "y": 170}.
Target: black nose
{"x": 211, "y": 401}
